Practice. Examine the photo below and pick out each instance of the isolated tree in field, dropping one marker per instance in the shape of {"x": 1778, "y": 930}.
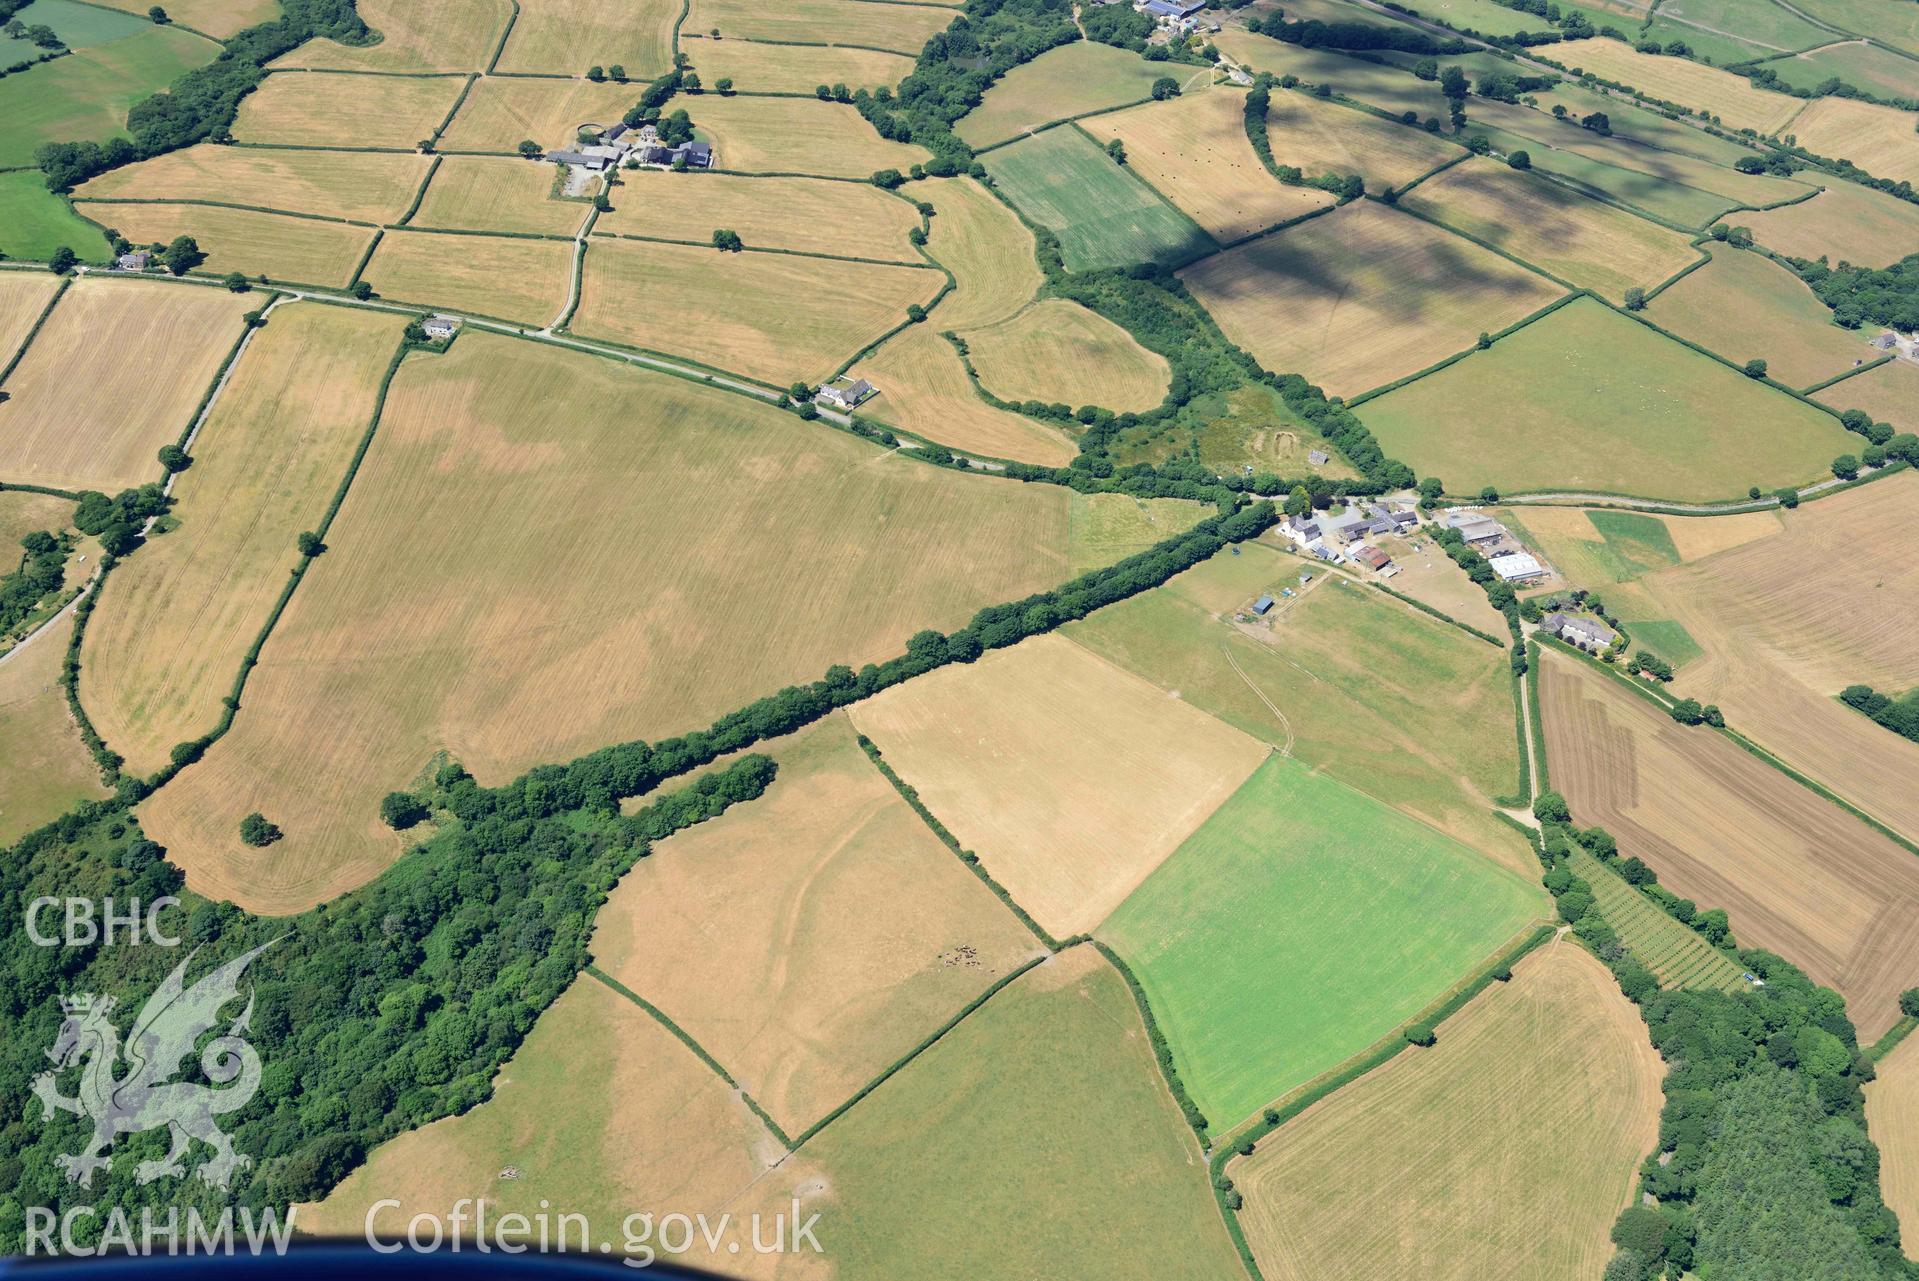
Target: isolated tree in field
{"x": 1599, "y": 122}
{"x": 690, "y": 82}
{"x": 174, "y": 458}
{"x": 1755, "y": 368}
{"x": 309, "y": 543}
{"x": 1165, "y": 87}
{"x": 1117, "y": 150}
{"x": 596, "y": 73}
{"x": 61, "y": 261}
{"x": 158, "y": 16}
{"x": 1635, "y": 299}
{"x": 256, "y": 831}
{"x": 401, "y": 810}
{"x": 1520, "y": 160}
{"x": 529, "y": 148}
{"x": 916, "y": 313}
{"x": 727, "y": 241}
{"x": 724, "y": 85}
{"x": 617, "y": 72}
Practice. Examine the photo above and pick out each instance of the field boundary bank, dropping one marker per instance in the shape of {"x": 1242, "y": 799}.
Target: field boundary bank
{"x": 1729, "y": 507}
{"x": 687, "y": 1039}
{"x": 1443, "y": 617}
{"x": 1892, "y": 1039}
{"x": 1385, "y": 389}
{"x": 761, "y": 249}
{"x": 39, "y": 323}
{"x": 1750, "y": 746}
{"x": 1843, "y": 376}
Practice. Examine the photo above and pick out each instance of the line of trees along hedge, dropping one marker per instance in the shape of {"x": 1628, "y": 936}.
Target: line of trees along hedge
{"x": 201, "y": 104}
{"x": 384, "y": 1009}
{"x": 1764, "y": 1170}
{"x": 1314, "y": 34}
{"x": 1901, "y": 716}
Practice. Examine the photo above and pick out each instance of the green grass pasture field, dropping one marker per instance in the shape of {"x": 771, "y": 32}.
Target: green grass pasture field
{"x": 33, "y": 221}
{"x": 85, "y": 96}
{"x": 1104, "y": 217}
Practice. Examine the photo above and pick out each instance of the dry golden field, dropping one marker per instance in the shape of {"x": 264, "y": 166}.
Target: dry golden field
{"x": 150, "y": 351}
{"x": 1362, "y": 296}
{"x": 365, "y": 186}
{"x": 507, "y": 278}
{"x": 565, "y": 37}
{"x": 1736, "y": 101}
{"x": 1071, "y": 80}
{"x": 1880, "y": 140}
{"x": 903, "y": 28}
{"x": 415, "y": 35}
{"x": 175, "y": 621}
{"x": 835, "y": 931}
{"x": 519, "y": 626}
{"x": 22, "y": 298}
{"x": 1070, "y": 778}
{"x": 1889, "y": 393}
{"x": 1892, "y": 1116}
{"x": 21, "y": 512}
{"x": 502, "y": 112}
{"x": 799, "y": 135}
{"x": 775, "y": 317}
{"x": 218, "y": 18}
{"x": 1597, "y": 246}
{"x": 986, "y": 247}
{"x": 492, "y": 193}
{"x": 48, "y": 769}
{"x": 604, "y": 1113}
{"x": 1743, "y": 305}
{"x": 301, "y": 250}
{"x": 924, "y": 389}
{"x": 1193, "y": 150}
{"x": 1104, "y": 528}
{"x": 315, "y": 109}
{"x": 1450, "y": 1164}
{"x": 1319, "y": 137}
{"x": 1058, "y": 350}
{"x": 1787, "y": 622}
{"x": 1798, "y": 875}
{"x": 791, "y": 68}
{"x": 810, "y": 215}
{"x": 1843, "y": 223}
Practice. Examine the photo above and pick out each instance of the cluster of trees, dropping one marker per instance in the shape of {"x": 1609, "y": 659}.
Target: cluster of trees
{"x": 1314, "y": 34}
{"x": 116, "y": 521}
{"x": 40, "y": 573}
{"x": 1883, "y": 445}
{"x": 1258, "y": 103}
{"x": 1764, "y": 1169}
{"x": 1857, "y": 295}
{"x": 1900, "y": 715}
{"x": 38, "y": 34}
{"x": 1119, "y": 25}
{"x": 1650, "y": 664}
{"x": 200, "y": 105}
{"x": 653, "y": 100}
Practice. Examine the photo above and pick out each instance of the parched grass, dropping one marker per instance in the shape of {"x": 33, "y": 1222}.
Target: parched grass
{"x": 48, "y": 770}
{"x": 23, "y": 298}
{"x": 415, "y": 35}
{"x": 1302, "y": 922}
{"x": 647, "y": 1128}
{"x": 803, "y": 214}
{"x": 1892, "y": 1113}
{"x": 34, "y": 222}
{"x": 1635, "y": 123}
{"x": 1045, "y": 1107}
{"x": 1104, "y": 528}
{"x": 790, "y": 68}
{"x": 986, "y": 247}
{"x": 1391, "y": 88}
{"x": 1590, "y": 399}
{"x": 254, "y": 244}
{"x": 1193, "y": 150}
{"x": 492, "y": 193}
{"x": 100, "y": 431}
{"x": 799, "y": 135}
{"x": 218, "y": 18}
{"x": 22, "y": 512}
{"x": 1659, "y": 197}
{"x": 565, "y": 37}
{"x": 507, "y": 278}
{"x": 902, "y": 28}
{"x": 1462, "y": 1149}
{"x": 1061, "y": 83}
{"x": 1546, "y": 226}
{"x": 1742, "y": 306}
{"x": 1249, "y": 426}
{"x": 174, "y": 622}
{"x": 322, "y": 110}
{"x": 835, "y": 931}
{"x": 1069, "y": 777}
{"x": 1058, "y": 351}
{"x": 502, "y": 112}
{"x": 366, "y": 186}
{"x": 1678, "y": 954}
{"x": 1318, "y": 137}
{"x": 1735, "y": 100}
{"x": 777, "y": 317}
{"x": 1103, "y": 215}
{"x": 1880, "y": 140}
{"x": 1889, "y": 393}
{"x": 1346, "y": 679}
{"x": 86, "y": 94}
{"x": 482, "y": 594}
{"x": 924, "y": 389}
{"x": 1798, "y": 875}
{"x": 1862, "y": 65}
{"x": 1843, "y": 223}
{"x": 1362, "y": 296}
